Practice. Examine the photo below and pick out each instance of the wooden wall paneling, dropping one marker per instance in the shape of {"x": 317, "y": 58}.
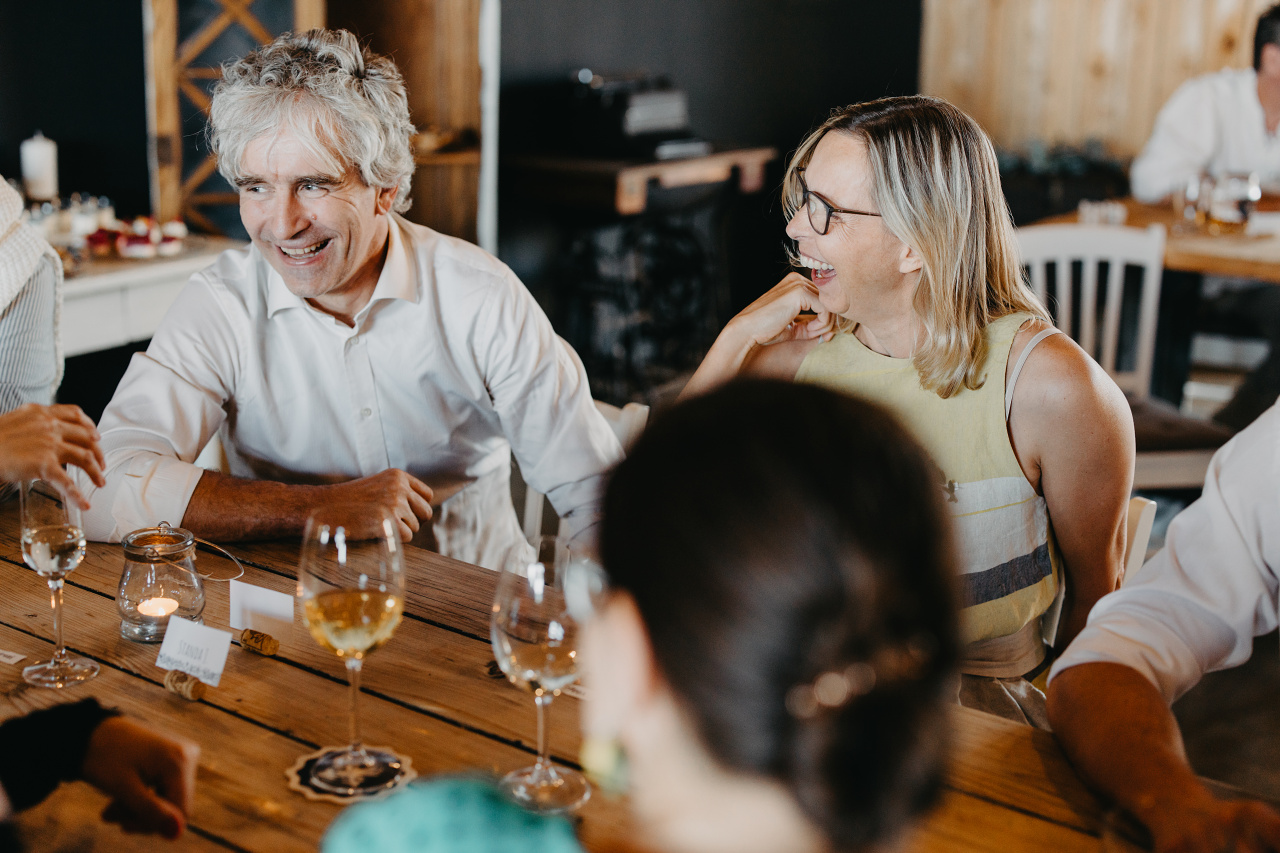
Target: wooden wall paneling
{"x": 436, "y": 46}
{"x": 1064, "y": 87}
{"x": 1066, "y": 71}
{"x": 1027, "y": 100}
{"x": 164, "y": 144}
{"x": 308, "y": 15}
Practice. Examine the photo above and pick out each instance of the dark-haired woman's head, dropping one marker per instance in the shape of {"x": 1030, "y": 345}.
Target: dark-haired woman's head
{"x": 784, "y": 604}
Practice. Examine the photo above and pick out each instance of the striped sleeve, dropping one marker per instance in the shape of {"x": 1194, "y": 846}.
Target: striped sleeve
{"x": 28, "y": 360}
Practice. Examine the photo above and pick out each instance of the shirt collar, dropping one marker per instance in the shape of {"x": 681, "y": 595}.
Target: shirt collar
{"x": 397, "y": 280}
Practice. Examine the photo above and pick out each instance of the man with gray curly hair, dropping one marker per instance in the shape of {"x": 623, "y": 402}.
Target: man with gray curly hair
{"x": 347, "y": 356}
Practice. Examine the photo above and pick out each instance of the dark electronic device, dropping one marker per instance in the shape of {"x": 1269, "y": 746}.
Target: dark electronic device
{"x": 630, "y": 115}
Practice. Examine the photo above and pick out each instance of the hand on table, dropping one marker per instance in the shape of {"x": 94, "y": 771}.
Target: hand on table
{"x": 150, "y": 777}
{"x": 36, "y": 441}
{"x": 1218, "y": 826}
{"x": 407, "y": 498}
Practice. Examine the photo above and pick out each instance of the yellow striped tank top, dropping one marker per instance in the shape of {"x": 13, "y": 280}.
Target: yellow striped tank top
{"x": 1009, "y": 563}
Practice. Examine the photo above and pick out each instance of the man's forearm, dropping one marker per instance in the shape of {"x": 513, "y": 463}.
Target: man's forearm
{"x": 229, "y": 509}
{"x": 1119, "y": 733}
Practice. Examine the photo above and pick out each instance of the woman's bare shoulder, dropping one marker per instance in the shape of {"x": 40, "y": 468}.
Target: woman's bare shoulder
{"x": 1062, "y": 388}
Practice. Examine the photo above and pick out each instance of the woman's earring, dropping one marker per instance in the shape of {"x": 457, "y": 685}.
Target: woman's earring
{"x": 605, "y": 763}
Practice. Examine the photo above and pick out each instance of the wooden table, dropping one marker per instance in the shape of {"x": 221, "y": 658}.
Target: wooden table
{"x": 431, "y": 693}
{"x": 1226, "y": 255}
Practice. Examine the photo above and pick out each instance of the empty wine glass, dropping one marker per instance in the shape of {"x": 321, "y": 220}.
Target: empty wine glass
{"x": 352, "y": 590}
{"x": 53, "y": 545}
{"x": 542, "y": 600}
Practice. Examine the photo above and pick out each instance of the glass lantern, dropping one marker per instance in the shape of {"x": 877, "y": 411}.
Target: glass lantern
{"x": 159, "y": 581}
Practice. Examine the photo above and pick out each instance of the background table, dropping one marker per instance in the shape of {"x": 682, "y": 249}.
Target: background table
{"x": 432, "y": 693}
{"x": 1225, "y": 254}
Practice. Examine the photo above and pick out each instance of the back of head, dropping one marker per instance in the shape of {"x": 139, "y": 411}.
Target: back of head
{"x": 787, "y": 551}
{"x": 345, "y": 103}
{"x": 937, "y": 186}
{"x": 1267, "y": 32}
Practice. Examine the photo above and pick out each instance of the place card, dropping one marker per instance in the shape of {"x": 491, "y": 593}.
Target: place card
{"x": 261, "y": 609}
{"x": 10, "y": 657}
{"x": 194, "y": 649}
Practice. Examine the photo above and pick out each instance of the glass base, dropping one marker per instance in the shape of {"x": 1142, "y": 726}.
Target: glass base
{"x": 70, "y": 670}
{"x": 356, "y": 774}
{"x": 546, "y": 789}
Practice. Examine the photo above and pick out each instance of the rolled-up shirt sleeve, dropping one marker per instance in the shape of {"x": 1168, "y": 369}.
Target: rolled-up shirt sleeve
{"x": 563, "y": 445}
{"x": 166, "y": 408}
{"x": 1181, "y": 144}
{"x": 1198, "y": 604}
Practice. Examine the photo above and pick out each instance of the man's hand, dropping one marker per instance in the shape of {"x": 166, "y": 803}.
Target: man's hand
{"x": 1118, "y": 731}
{"x": 407, "y": 498}
{"x": 150, "y": 777}
{"x": 1214, "y": 826}
{"x": 36, "y": 441}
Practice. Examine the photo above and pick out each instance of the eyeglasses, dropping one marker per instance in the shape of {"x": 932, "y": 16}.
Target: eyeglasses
{"x": 820, "y": 209}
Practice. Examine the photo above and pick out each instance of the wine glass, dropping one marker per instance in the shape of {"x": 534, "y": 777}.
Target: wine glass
{"x": 53, "y": 545}
{"x": 352, "y": 590}
{"x": 543, "y": 597}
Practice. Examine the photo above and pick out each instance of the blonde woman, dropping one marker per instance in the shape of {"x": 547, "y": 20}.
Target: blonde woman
{"x": 914, "y": 298}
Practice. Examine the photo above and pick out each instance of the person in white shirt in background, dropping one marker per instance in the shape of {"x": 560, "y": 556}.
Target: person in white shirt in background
{"x": 1194, "y": 608}
{"x": 1217, "y": 124}
{"x": 348, "y": 356}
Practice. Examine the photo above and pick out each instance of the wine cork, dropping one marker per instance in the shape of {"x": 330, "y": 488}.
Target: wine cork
{"x": 186, "y": 686}
{"x": 256, "y": 641}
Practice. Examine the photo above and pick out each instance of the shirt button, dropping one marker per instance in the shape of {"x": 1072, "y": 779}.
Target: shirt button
{"x": 366, "y": 412}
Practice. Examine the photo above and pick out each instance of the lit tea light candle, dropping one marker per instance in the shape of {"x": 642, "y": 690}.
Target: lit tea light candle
{"x": 157, "y": 607}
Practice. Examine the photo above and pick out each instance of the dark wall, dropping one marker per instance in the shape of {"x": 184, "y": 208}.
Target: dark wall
{"x": 757, "y": 72}
{"x": 75, "y": 71}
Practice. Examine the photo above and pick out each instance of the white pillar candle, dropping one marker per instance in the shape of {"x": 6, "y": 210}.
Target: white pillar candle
{"x": 40, "y": 167}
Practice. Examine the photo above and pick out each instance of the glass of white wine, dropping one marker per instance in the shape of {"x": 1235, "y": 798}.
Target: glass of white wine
{"x": 53, "y": 545}
{"x": 543, "y": 597}
{"x": 352, "y": 588}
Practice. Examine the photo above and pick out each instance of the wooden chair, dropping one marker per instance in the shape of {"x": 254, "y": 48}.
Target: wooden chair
{"x": 1173, "y": 450}
{"x": 627, "y": 422}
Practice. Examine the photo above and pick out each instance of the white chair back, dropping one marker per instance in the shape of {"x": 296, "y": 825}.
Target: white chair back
{"x": 627, "y": 423}
{"x": 1075, "y": 310}
{"x": 1142, "y": 515}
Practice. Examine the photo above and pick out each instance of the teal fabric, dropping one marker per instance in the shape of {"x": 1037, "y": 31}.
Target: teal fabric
{"x": 447, "y": 816}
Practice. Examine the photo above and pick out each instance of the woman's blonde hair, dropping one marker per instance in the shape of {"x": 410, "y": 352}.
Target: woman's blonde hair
{"x": 937, "y": 186}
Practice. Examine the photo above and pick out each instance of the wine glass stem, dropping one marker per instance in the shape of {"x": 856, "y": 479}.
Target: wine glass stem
{"x": 542, "y": 699}
{"x": 55, "y": 599}
{"x": 353, "y": 676}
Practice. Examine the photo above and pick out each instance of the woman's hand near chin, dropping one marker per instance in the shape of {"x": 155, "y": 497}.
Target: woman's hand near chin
{"x": 781, "y": 316}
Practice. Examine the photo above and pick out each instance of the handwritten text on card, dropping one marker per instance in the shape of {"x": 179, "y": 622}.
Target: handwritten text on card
{"x": 194, "y": 649}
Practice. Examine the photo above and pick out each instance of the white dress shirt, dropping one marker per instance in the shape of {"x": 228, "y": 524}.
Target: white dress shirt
{"x": 1214, "y": 124}
{"x": 449, "y": 367}
{"x": 1198, "y": 604}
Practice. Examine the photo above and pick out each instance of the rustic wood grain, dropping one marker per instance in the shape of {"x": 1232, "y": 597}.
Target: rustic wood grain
{"x": 436, "y": 46}
{"x": 442, "y": 673}
{"x": 1068, "y": 71}
{"x": 429, "y": 695}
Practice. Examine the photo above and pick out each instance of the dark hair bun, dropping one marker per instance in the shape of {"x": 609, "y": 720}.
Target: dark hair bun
{"x": 786, "y": 546}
